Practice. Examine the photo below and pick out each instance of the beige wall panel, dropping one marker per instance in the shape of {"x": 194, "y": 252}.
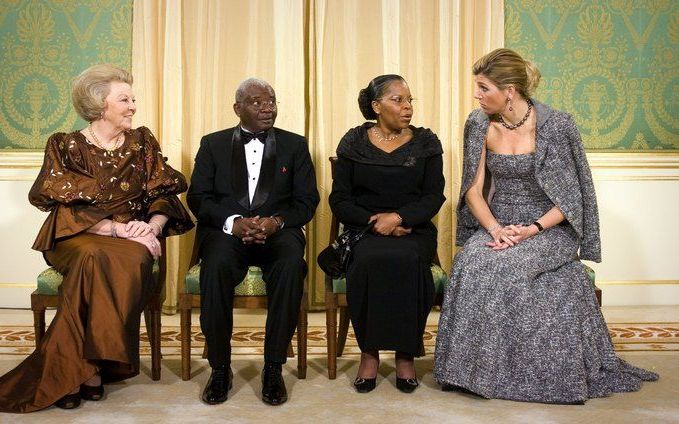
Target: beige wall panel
{"x": 19, "y": 224}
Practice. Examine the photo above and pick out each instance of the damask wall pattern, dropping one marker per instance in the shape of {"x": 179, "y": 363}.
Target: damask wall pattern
{"x": 45, "y": 44}
{"x": 613, "y": 64}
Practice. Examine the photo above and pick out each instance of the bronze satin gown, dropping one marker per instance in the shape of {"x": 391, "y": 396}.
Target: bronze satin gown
{"x": 107, "y": 281}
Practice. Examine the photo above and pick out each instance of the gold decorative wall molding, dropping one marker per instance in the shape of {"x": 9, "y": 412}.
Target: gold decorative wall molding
{"x": 637, "y": 282}
{"x": 655, "y": 166}
{"x": 21, "y": 285}
{"x": 633, "y": 160}
{"x": 20, "y": 165}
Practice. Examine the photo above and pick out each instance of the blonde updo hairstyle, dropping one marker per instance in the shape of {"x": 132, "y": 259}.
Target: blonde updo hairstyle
{"x": 505, "y": 67}
{"x": 91, "y": 87}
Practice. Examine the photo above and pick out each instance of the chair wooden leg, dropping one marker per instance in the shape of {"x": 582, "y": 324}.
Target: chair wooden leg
{"x": 148, "y": 322}
{"x": 343, "y": 330}
{"x": 185, "y": 324}
{"x": 302, "y": 343}
{"x": 39, "y": 325}
{"x": 291, "y": 351}
{"x": 331, "y": 335}
{"x": 154, "y": 337}
{"x": 597, "y": 291}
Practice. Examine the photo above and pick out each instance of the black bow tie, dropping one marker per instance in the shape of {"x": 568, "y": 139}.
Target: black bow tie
{"x": 248, "y": 136}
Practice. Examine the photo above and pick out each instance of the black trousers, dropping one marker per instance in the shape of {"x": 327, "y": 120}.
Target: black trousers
{"x": 224, "y": 264}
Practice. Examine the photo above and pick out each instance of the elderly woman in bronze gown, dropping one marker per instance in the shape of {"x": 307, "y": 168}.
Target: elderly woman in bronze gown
{"x": 111, "y": 196}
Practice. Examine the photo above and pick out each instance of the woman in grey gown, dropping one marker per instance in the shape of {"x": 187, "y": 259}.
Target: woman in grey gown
{"x": 519, "y": 319}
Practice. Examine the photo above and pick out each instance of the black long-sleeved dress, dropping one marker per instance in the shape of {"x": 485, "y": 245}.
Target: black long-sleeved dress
{"x": 390, "y": 290}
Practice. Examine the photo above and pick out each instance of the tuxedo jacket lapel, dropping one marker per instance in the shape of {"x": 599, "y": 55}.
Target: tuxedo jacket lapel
{"x": 267, "y": 173}
{"x": 239, "y": 171}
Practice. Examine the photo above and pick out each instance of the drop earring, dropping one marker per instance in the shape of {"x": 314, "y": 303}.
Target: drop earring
{"x": 509, "y": 101}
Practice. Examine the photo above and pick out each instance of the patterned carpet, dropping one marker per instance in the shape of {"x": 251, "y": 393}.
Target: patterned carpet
{"x": 627, "y": 337}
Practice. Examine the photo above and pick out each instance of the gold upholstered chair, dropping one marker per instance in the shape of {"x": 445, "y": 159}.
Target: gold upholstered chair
{"x": 46, "y": 296}
{"x": 249, "y": 294}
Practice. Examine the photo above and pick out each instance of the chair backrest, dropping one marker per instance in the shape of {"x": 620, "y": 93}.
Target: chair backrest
{"x": 334, "y": 222}
{"x": 194, "y": 253}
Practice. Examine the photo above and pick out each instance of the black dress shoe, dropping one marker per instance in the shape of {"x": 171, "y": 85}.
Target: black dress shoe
{"x": 365, "y": 385}
{"x": 70, "y": 401}
{"x": 407, "y": 385}
{"x": 218, "y": 385}
{"x": 273, "y": 386}
{"x": 92, "y": 392}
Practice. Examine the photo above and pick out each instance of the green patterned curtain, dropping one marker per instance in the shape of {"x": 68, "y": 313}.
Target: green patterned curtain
{"x": 613, "y": 64}
{"x": 44, "y": 45}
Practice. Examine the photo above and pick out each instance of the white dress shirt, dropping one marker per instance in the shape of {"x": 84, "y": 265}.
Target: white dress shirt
{"x": 254, "y": 150}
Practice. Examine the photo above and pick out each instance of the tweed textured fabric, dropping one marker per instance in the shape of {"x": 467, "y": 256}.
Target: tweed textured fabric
{"x": 561, "y": 170}
{"x": 523, "y": 323}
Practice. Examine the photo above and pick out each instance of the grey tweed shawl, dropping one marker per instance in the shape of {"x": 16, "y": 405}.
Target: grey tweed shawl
{"x": 561, "y": 170}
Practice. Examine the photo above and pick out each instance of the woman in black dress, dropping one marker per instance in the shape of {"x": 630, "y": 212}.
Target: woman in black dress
{"x": 391, "y": 173}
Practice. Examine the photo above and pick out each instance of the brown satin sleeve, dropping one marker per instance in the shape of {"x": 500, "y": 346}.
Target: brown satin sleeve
{"x": 163, "y": 184}
{"x": 66, "y": 189}
{"x": 65, "y": 221}
{"x": 63, "y": 179}
{"x": 179, "y": 220}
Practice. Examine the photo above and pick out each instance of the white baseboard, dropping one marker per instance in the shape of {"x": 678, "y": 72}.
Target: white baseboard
{"x": 645, "y": 293}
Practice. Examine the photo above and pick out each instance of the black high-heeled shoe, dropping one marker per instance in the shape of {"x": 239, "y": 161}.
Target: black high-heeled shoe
{"x": 407, "y": 385}
{"x": 365, "y": 385}
{"x": 92, "y": 392}
{"x": 70, "y": 401}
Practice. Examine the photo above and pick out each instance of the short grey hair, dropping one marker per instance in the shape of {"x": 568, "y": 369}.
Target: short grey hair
{"x": 92, "y": 86}
{"x": 250, "y": 82}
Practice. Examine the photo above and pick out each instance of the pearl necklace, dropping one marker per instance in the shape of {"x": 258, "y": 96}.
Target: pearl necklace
{"x": 97, "y": 143}
{"x": 381, "y": 138}
{"x": 521, "y": 122}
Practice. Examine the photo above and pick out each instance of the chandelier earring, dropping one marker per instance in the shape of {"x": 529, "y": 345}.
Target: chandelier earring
{"x": 509, "y": 102}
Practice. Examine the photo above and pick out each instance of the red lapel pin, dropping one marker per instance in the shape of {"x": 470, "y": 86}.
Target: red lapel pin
{"x": 284, "y": 170}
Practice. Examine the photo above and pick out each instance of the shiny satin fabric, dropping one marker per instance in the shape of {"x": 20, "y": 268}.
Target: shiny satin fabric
{"x": 107, "y": 282}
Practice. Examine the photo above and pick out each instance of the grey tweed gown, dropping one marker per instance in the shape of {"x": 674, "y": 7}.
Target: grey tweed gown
{"x": 523, "y": 323}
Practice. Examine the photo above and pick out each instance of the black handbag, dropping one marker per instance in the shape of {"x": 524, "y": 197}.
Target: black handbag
{"x": 334, "y": 259}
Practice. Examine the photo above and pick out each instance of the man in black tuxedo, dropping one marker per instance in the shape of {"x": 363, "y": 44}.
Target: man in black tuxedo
{"x": 253, "y": 188}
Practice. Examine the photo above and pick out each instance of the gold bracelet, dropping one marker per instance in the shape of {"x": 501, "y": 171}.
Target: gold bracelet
{"x": 160, "y": 229}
